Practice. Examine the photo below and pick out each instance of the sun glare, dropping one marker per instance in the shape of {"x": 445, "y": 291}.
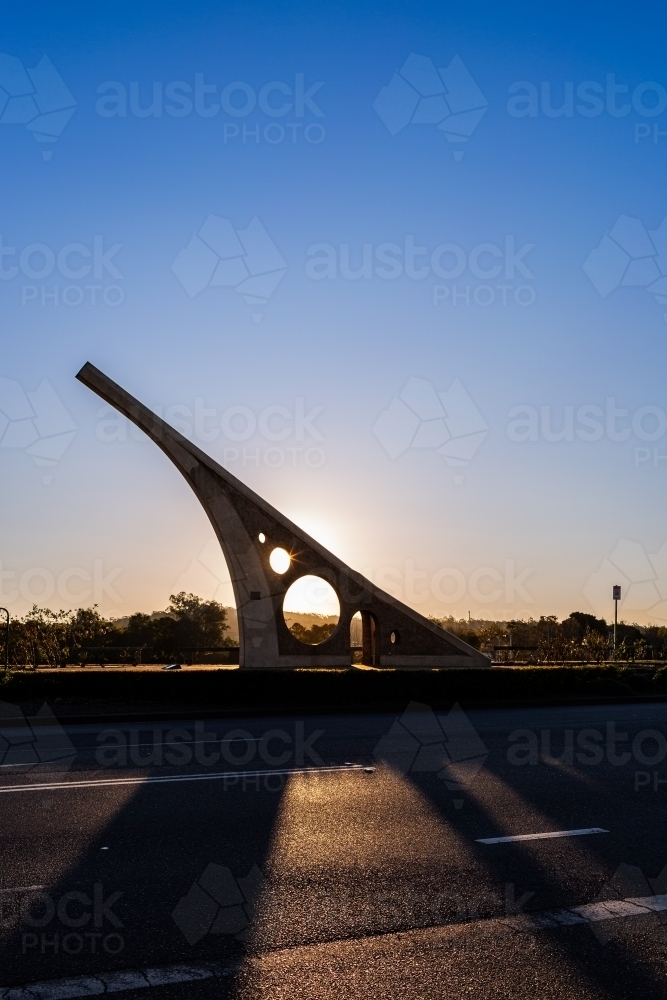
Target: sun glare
{"x": 311, "y": 595}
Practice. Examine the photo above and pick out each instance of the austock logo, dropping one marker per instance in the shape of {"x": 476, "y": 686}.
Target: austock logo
{"x": 421, "y": 94}
{"x": 207, "y": 575}
{"x": 643, "y": 579}
{"x": 218, "y": 256}
{"x": 448, "y": 423}
{"x": 589, "y": 422}
{"x": 36, "y": 98}
{"x": 237, "y": 100}
{"x": 37, "y": 584}
{"x": 219, "y": 903}
{"x": 75, "y": 262}
{"x": 73, "y": 923}
{"x": 449, "y": 584}
{"x": 629, "y": 256}
{"x": 446, "y": 745}
{"x": 589, "y": 99}
{"x": 629, "y": 894}
{"x": 36, "y": 422}
{"x": 391, "y": 261}
{"x": 38, "y": 744}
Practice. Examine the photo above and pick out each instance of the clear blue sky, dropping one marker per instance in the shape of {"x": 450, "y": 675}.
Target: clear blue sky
{"x": 474, "y": 279}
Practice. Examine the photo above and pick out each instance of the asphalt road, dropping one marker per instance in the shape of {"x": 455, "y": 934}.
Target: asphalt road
{"x": 336, "y": 856}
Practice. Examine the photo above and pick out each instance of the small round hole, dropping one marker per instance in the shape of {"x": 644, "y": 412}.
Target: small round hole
{"x": 280, "y": 560}
{"x": 394, "y": 637}
{"x": 262, "y": 537}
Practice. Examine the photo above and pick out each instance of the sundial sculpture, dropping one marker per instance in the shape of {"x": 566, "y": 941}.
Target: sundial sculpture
{"x": 249, "y": 529}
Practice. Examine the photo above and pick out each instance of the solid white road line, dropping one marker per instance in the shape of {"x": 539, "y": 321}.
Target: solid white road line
{"x": 539, "y": 836}
{"x": 106, "y": 746}
{"x": 135, "y": 979}
{"x": 167, "y": 778}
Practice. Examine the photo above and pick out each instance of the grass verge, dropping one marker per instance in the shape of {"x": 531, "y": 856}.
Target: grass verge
{"x": 327, "y": 690}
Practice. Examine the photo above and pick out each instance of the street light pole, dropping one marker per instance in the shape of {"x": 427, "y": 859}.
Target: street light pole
{"x": 616, "y": 593}
{"x": 6, "y": 638}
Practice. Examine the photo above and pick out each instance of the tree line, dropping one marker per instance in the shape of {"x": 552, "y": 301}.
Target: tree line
{"x": 578, "y": 638}
{"x": 56, "y": 638}
{"x": 190, "y": 628}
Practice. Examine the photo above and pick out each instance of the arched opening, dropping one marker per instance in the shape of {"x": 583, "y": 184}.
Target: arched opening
{"x": 356, "y": 638}
{"x": 311, "y": 610}
{"x": 370, "y": 640}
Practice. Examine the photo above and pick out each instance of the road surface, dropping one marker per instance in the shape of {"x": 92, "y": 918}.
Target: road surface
{"x": 338, "y": 856}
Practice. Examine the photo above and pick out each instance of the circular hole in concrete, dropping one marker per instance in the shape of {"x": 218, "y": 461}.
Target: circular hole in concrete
{"x": 311, "y": 610}
{"x": 280, "y": 560}
{"x": 394, "y": 637}
{"x": 262, "y": 537}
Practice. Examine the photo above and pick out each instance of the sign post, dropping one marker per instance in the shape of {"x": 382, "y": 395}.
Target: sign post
{"x": 616, "y": 592}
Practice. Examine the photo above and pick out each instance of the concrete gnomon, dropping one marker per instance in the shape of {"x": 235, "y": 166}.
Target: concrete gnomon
{"x": 250, "y": 530}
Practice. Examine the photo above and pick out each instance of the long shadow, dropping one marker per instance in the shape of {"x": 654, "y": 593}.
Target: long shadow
{"x": 143, "y": 853}
{"x": 162, "y": 840}
{"x": 564, "y": 803}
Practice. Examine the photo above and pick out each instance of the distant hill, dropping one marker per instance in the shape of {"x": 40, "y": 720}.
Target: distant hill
{"x": 308, "y": 620}
{"x": 124, "y": 622}
{"x": 291, "y": 617}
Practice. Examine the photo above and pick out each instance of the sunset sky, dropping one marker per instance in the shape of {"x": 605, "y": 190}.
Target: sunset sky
{"x": 437, "y": 345}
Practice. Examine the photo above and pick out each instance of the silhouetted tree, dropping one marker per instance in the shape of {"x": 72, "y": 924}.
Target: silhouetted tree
{"x": 189, "y": 621}
{"x": 314, "y": 635}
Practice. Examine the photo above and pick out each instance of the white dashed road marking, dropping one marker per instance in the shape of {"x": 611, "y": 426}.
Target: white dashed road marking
{"x": 539, "y": 836}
